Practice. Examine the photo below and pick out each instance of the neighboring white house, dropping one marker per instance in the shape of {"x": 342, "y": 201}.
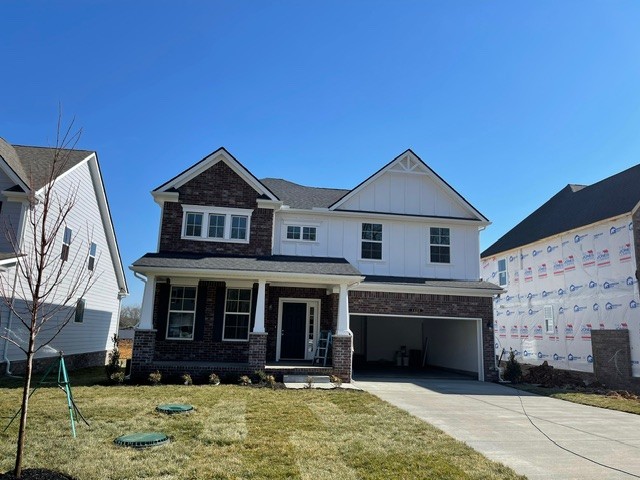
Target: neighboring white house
{"x": 248, "y": 273}
{"x": 24, "y": 170}
{"x": 569, "y": 268}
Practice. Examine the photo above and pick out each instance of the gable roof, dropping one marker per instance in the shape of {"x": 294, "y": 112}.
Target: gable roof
{"x": 300, "y": 196}
{"x": 31, "y": 166}
{"x": 221, "y": 154}
{"x": 572, "y": 207}
{"x": 429, "y": 172}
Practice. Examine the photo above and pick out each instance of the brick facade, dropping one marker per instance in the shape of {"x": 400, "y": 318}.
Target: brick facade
{"x": 72, "y": 362}
{"x": 257, "y": 350}
{"x": 411, "y": 304}
{"x": 611, "y": 357}
{"x": 219, "y": 186}
{"x": 343, "y": 357}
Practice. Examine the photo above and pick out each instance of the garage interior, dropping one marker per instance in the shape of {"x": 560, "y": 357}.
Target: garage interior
{"x": 389, "y": 343}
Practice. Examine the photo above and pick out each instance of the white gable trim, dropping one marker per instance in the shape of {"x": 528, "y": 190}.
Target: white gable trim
{"x": 107, "y": 222}
{"x": 220, "y": 155}
{"x": 409, "y": 163}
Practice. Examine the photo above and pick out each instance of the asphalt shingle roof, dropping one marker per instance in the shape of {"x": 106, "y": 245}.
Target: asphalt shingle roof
{"x": 432, "y": 282}
{"x": 299, "y": 196}
{"x": 274, "y": 263}
{"x": 572, "y": 207}
{"x": 33, "y": 164}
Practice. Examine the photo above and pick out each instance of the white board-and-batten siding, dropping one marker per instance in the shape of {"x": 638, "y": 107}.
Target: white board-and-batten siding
{"x": 102, "y": 303}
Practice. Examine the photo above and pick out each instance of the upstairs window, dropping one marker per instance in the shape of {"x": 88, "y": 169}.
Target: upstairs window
{"x": 92, "y": 256}
{"x": 549, "y": 322}
{"x": 182, "y": 313}
{"x": 371, "y": 241}
{"x": 237, "y": 314}
{"x": 502, "y": 272}
{"x": 216, "y": 224}
{"x": 439, "y": 245}
{"x": 66, "y": 243}
{"x": 297, "y": 232}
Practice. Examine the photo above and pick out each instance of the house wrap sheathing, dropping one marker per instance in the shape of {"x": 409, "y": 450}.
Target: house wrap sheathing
{"x": 561, "y": 288}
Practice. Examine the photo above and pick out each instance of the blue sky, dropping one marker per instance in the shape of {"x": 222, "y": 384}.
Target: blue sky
{"x": 507, "y": 101}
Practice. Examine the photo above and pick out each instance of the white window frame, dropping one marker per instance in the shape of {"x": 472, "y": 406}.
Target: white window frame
{"x": 301, "y": 231}
{"x": 206, "y": 212}
{"x": 506, "y": 278}
{"x": 193, "y": 322}
{"x": 438, "y": 245}
{"x": 381, "y": 241}
{"x": 91, "y": 262}
{"x": 549, "y": 317}
{"x": 224, "y": 323}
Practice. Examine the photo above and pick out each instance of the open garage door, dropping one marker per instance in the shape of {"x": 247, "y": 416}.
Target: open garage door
{"x": 452, "y": 344}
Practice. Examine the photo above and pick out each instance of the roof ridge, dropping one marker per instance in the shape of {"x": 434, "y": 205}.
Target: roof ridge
{"x": 304, "y": 186}
{"x": 53, "y": 148}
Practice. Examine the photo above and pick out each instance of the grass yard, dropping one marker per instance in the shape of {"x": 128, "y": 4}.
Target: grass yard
{"x": 235, "y": 432}
{"x": 611, "y": 402}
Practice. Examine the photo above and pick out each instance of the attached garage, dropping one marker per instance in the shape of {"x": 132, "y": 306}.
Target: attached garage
{"x": 451, "y": 343}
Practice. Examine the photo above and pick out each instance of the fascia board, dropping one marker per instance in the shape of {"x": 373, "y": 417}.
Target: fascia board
{"x": 429, "y": 172}
{"x": 107, "y": 222}
{"x": 13, "y": 175}
{"x": 19, "y": 197}
{"x": 388, "y": 216}
{"x": 210, "y": 160}
{"x": 423, "y": 289}
{"x": 161, "y": 197}
{"x": 252, "y": 274}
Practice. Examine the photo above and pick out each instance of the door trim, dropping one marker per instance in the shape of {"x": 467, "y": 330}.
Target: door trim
{"x": 310, "y": 302}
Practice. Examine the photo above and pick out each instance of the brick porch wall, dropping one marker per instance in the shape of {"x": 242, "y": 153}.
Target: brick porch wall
{"x": 410, "y": 304}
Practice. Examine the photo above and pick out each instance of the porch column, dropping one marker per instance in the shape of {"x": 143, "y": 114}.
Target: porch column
{"x": 259, "y": 322}
{"x": 146, "y": 313}
{"x": 343, "y": 312}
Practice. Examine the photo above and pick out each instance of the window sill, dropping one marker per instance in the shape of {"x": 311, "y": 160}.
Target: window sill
{"x": 238, "y": 340}
{"x": 215, "y": 240}
{"x": 373, "y": 260}
{"x": 172, "y": 339}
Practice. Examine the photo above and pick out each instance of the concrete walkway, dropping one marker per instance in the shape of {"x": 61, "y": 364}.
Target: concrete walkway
{"x": 490, "y": 418}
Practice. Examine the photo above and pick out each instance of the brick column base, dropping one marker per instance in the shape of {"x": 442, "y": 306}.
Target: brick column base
{"x": 342, "y": 356}
{"x": 257, "y": 350}
{"x": 144, "y": 345}
{"x": 612, "y": 357}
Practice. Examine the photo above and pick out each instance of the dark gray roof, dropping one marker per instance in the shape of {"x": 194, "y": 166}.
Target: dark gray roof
{"x": 273, "y": 263}
{"x": 33, "y": 164}
{"x": 8, "y": 255}
{"x": 299, "y": 196}
{"x": 572, "y": 207}
{"x": 433, "y": 282}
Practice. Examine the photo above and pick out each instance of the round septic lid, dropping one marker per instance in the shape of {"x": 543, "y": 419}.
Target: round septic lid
{"x": 142, "y": 439}
{"x": 174, "y": 408}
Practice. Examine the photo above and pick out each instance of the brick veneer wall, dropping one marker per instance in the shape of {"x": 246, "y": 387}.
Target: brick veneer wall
{"x": 144, "y": 342}
{"x": 257, "y": 350}
{"x": 611, "y": 357}
{"x": 72, "y": 362}
{"x": 410, "y": 304}
{"x": 342, "y": 356}
{"x": 218, "y": 186}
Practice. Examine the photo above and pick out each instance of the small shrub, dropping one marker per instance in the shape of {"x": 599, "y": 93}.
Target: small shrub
{"x": 214, "y": 379}
{"x": 186, "y": 379}
{"x": 117, "y": 377}
{"x": 155, "y": 377}
{"x": 270, "y": 381}
{"x": 513, "y": 370}
{"x": 113, "y": 366}
{"x": 336, "y": 380}
{"x": 244, "y": 380}
{"x": 309, "y": 382}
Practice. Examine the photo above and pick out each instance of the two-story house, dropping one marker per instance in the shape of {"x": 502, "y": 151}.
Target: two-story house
{"x": 87, "y": 241}
{"x": 249, "y": 272}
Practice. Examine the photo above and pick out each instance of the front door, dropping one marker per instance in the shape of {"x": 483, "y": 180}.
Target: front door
{"x": 293, "y": 335}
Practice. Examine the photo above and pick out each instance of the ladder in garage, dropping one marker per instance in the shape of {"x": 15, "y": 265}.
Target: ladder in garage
{"x": 323, "y": 348}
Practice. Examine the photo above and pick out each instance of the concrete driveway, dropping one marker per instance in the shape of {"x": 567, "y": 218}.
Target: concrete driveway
{"x": 490, "y": 418}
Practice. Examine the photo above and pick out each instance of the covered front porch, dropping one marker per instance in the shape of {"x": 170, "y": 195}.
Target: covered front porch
{"x": 245, "y": 321}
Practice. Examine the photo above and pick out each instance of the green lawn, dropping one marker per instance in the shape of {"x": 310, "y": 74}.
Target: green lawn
{"x": 235, "y": 432}
{"x": 594, "y": 399}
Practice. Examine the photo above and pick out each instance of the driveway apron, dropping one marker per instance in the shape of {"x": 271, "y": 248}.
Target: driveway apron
{"x": 491, "y": 419}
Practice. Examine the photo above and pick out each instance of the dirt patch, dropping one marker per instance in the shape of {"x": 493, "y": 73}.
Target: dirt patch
{"x": 37, "y": 474}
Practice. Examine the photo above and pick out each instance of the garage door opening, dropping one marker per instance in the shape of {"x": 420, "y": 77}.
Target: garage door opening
{"x": 417, "y": 344}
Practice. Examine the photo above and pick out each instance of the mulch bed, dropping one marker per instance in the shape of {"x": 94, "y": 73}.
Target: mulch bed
{"x": 36, "y": 474}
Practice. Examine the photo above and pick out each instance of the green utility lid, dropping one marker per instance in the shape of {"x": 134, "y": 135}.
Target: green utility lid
{"x": 171, "y": 408}
{"x": 142, "y": 440}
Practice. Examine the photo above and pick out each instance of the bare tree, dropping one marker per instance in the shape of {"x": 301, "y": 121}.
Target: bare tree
{"x": 47, "y": 279}
{"x": 129, "y": 316}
